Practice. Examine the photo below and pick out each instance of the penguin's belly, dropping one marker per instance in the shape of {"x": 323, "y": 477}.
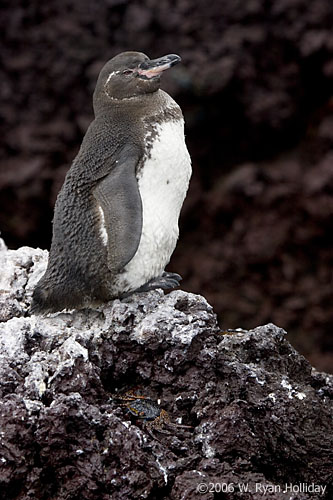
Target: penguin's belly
{"x": 163, "y": 181}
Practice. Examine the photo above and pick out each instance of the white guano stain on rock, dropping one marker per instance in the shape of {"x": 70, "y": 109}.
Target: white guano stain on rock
{"x": 291, "y": 391}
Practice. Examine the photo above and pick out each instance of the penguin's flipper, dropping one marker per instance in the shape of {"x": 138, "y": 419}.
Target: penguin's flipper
{"x": 120, "y": 206}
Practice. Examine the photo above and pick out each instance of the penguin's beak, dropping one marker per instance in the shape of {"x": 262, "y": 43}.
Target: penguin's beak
{"x": 155, "y": 67}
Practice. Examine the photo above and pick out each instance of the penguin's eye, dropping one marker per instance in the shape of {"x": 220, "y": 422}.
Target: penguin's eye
{"x": 127, "y": 72}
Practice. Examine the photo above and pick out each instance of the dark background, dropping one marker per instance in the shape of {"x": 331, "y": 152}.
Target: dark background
{"x": 256, "y": 90}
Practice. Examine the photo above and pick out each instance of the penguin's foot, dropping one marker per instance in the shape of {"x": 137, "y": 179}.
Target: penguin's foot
{"x": 165, "y": 281}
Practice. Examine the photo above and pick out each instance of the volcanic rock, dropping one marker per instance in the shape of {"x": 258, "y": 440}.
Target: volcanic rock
{"x": 235, "y": 409}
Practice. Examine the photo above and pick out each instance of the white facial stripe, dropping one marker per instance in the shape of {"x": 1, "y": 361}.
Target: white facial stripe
{"x": 106, "y": 89}
{"x": 110, "y": 75}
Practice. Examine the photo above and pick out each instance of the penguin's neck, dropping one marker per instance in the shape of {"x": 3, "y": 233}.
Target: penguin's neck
{"x": 164, "y": 108}
{"x": 146, "y": 106}
{"x": 108, "y": 104}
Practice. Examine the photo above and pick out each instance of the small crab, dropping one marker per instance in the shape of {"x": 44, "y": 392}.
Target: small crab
{"x": 146, "y": 409}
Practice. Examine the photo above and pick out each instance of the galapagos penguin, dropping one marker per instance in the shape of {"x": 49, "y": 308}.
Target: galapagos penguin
{"x": 115, "y": 221}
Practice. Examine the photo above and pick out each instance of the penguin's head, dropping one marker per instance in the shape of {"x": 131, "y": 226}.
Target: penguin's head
{"x": 132, "y": 74}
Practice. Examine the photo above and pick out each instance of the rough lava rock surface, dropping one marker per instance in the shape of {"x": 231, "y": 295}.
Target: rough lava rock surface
{"x": 258, "y": 413}
{"x": 255, "y": 87}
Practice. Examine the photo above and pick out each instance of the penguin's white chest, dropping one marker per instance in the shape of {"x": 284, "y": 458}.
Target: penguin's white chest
{"x": 163, "y": 182}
